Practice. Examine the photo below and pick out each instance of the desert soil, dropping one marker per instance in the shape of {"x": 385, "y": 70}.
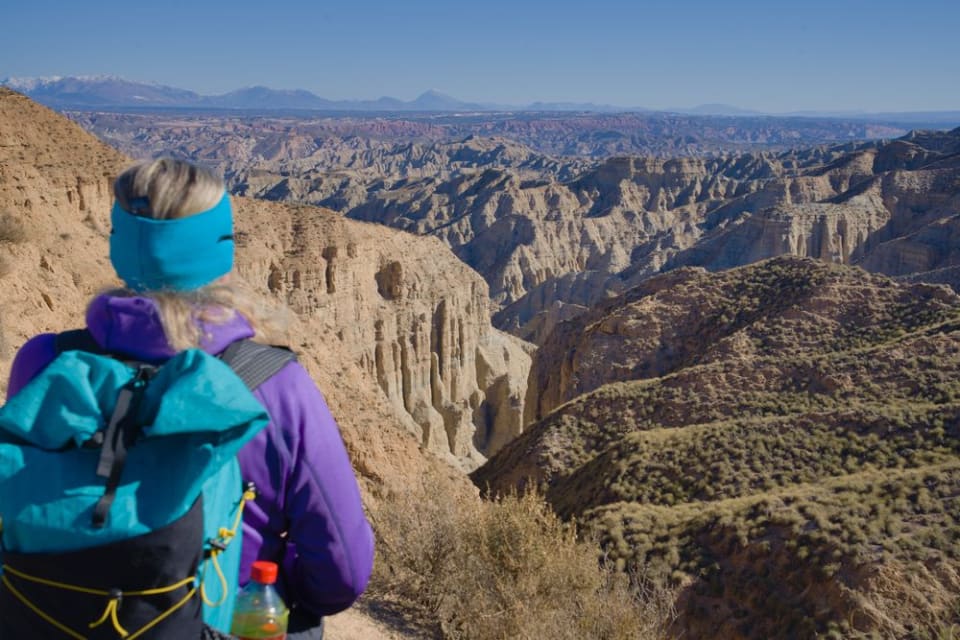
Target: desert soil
{"x": 361, "y": 623}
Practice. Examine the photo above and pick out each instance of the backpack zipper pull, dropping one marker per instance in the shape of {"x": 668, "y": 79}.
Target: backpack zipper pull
{"x": 114, "y": 598}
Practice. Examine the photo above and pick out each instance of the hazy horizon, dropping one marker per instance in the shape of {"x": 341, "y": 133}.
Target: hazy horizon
{"x": 853, "y": 56}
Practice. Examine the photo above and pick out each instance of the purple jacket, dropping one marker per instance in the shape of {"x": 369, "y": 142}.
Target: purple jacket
{"x": 308, "y": 516}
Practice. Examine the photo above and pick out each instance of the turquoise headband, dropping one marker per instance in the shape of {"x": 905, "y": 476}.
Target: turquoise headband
{"x": 178, "y": 254}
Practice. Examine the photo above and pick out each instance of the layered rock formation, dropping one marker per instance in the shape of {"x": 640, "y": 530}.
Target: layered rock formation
{"x": 855, "y": 210}
{"x": 523, "y": 219}
{"x": 632, "y": 217}
{"x": 417, "y": 324}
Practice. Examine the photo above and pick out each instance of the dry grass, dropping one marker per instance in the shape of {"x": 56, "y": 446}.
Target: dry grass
{"x": 12, "y": 229}
{"x": 509, "y": 568}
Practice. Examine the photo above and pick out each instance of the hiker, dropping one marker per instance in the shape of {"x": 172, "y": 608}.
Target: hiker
{"x": 307, "y": 515}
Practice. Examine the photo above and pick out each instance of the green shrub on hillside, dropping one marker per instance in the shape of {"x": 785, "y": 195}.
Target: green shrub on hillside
{"x": 734, "y": 458}
{"x": 797, "y": 561}
{"x": 918, "y": 369}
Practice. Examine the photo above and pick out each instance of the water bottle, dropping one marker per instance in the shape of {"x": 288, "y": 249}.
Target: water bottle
{"x": 259, "y": 612}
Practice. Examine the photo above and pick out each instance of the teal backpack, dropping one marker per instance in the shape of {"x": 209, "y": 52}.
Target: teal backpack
{"x": 120, "y": 493}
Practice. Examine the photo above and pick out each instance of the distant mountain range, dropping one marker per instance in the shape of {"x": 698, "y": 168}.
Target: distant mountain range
{"x": 103, "y": 91}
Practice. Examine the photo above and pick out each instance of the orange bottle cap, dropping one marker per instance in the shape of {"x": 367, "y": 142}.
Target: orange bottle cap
{"x": 264, "y": 572}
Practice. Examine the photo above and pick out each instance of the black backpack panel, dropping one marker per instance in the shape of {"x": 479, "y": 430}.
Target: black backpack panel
{"x": 155, "y": 560}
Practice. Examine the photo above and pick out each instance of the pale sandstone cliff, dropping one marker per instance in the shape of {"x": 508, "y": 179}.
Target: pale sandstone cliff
{"x": 414, "y": 319}
{"x": 520, "y": 234}
{"x": 632, "y": 217}
{"x": 55, "y": 196}
{"x": 889, "y": 208}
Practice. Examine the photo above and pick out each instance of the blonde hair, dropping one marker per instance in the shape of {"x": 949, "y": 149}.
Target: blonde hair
{"x": 168, "y": 188}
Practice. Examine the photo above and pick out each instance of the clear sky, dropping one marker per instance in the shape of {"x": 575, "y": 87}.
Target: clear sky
{"x": 772, "y": 55}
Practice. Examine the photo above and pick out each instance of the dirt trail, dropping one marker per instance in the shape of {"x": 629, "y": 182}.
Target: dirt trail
{"x": 353, "y": 624}
{"x": 359, "y": 623}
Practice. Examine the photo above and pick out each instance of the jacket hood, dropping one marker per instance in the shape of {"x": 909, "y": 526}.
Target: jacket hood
{"x": 131, "y": 326}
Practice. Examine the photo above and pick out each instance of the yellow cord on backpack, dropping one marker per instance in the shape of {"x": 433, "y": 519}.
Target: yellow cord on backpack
{"x": 160, "y": 618}
{"x": 110, "y": 611}
{"x": 219, "y": 545}
{"x": 95, "y": 592}
{"x": 22, "y": 598}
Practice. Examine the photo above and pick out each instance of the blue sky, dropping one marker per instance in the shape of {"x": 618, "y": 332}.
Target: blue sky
{"x": 775, "y": 56}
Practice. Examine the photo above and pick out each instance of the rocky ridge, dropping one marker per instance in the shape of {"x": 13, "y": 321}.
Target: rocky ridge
{"x": 559, "y": 134}
{"x": 633, "y": 217}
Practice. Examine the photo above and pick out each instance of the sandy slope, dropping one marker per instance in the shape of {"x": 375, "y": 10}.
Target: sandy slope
{"x": 353, "y": 624}
{"x": 358, "y": 623}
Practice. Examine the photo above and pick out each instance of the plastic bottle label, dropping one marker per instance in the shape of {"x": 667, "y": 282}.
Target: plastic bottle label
{"x": 257, "y": 629}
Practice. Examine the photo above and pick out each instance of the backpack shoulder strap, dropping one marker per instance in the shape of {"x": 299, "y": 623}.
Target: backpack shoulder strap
{"x": 77, "y": 340}
{"x": 256, "y": 363}
{"x": 253, "y": 363}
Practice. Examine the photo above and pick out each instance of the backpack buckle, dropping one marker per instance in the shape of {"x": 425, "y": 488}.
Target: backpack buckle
{"x": 93, "y": 442}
